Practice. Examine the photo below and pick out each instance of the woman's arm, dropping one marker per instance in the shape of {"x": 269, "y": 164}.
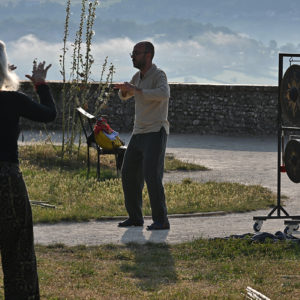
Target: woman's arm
{"x": 45, "y": 111}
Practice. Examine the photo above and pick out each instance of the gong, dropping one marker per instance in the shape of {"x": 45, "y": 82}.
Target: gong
{"x": 290, "y": 96}
{"x": 292, "y": 160}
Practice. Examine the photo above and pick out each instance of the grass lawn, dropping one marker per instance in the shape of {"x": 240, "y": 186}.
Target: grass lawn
{"x": 77, "y": 198}
{"x": 203, "y": 269}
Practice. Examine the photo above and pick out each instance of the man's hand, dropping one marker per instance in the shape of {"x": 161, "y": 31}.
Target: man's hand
{"x": 127, "y": 88}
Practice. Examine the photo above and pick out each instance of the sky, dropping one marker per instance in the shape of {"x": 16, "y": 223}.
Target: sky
{"x": 196, "y": 41}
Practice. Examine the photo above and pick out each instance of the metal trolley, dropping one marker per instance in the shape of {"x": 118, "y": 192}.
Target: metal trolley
{"x": 288, "y": 124}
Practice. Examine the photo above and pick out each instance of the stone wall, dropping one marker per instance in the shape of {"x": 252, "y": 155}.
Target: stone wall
{"x": 194, "y": 108}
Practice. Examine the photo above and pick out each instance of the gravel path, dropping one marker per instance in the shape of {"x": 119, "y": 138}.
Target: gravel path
{"x": 248, "y": 160}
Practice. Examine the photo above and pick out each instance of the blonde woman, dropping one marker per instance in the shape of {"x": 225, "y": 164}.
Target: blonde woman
{"x": 16, "y": 229}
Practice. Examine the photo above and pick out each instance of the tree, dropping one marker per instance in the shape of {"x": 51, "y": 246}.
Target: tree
{"x": 77, "y": 89}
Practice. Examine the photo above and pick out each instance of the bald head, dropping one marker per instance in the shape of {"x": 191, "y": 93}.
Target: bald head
{"x": 148, "y": 46}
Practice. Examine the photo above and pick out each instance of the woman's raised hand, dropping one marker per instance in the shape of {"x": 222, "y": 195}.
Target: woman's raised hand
{"x": 39, "y": 72}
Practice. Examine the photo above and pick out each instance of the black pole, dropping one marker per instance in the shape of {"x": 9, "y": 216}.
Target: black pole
{"x": 279, "y": 132}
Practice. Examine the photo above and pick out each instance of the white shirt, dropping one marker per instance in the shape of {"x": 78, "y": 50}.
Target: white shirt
{"x": 151, "y": 104}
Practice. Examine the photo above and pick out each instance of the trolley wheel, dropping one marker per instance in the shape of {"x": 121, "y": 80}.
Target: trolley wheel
{"x": 257, "y": 226}
{"x": 289, "y": 229}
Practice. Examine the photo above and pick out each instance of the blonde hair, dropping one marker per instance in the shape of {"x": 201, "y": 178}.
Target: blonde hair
{"x": 9, "y": 81}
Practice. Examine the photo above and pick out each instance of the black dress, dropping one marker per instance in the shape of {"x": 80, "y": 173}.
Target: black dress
{"x": 16, "y": 228}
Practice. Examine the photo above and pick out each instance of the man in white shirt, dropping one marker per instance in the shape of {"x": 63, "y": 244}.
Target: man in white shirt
{"x": 145, "y": 154}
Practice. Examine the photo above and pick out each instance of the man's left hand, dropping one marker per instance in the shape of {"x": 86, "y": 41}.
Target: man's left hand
{"x": 127, "y": 87}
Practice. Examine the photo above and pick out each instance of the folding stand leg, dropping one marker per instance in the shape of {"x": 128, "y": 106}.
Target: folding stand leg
{"x": 88, "y": 161}
{"x": 98, "y": 164}
{"x": 117, "y": 163}
{"x": 119, "y": 159}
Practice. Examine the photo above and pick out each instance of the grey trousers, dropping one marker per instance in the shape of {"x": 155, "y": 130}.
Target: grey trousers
{"x": 144, "y": 162}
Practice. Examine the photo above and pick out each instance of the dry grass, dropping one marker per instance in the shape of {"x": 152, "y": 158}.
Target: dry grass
{"x": 203, "y": 269}
{"x": 79, "y": 199}
{"x": 174, "y": 164}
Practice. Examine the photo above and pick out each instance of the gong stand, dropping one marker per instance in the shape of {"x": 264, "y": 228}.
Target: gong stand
{"x": 286, "y": 91}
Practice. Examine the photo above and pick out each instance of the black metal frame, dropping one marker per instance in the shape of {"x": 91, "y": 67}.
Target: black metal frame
{"x": 118, "y": 152}
{"x": 280, "y": 135}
